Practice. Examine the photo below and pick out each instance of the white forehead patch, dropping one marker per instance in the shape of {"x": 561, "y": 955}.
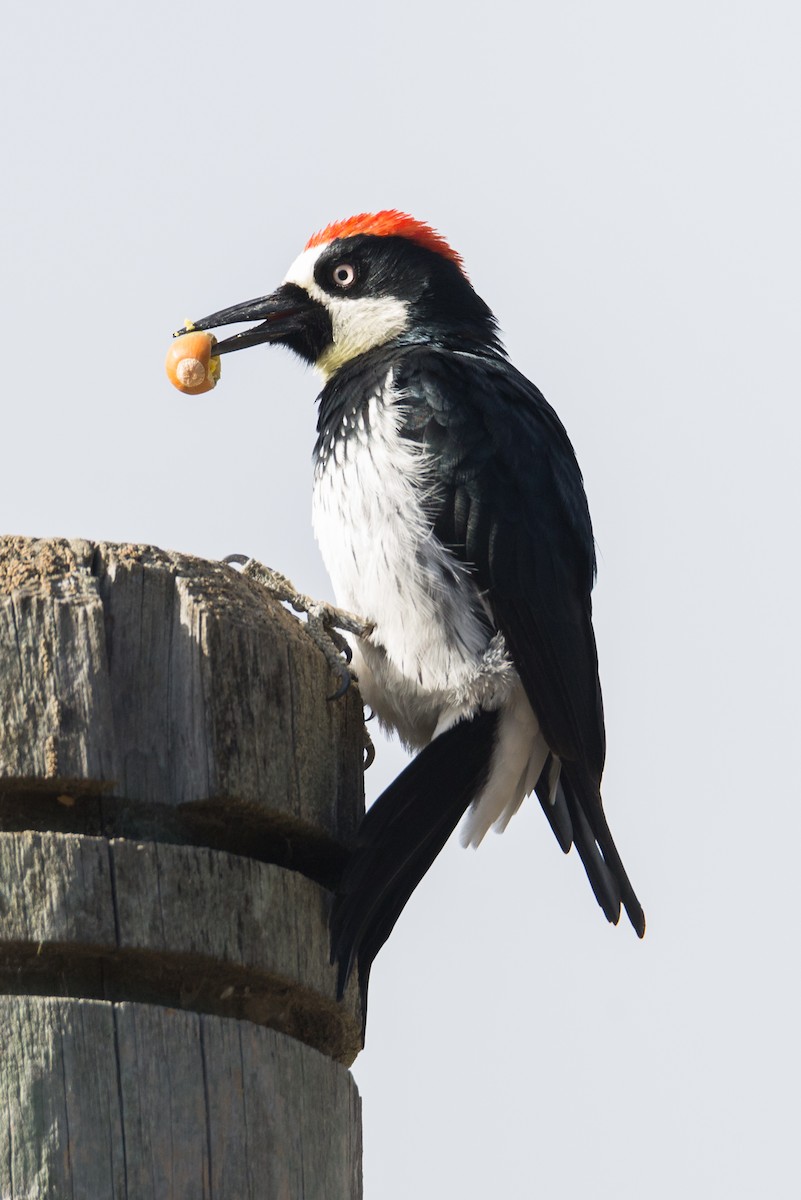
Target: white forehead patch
{"x": 302, "y": 270}
{"x": 359, "y": 324}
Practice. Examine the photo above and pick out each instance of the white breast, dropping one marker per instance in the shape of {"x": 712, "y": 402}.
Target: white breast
{"x": 371, "y": 488}
{"x": 430, "y": 660}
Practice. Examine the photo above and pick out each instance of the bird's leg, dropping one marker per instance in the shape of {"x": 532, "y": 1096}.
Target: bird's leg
{"x": 323, "y": 622}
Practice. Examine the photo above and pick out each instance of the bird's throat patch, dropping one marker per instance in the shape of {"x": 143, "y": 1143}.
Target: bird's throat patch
{"x": 360, "y": 325}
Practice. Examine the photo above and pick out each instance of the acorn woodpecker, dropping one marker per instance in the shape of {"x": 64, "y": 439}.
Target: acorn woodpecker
{"x": 451, "y": 515}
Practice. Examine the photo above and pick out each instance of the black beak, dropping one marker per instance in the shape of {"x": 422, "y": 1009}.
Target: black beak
{"x": 285, "y": 317}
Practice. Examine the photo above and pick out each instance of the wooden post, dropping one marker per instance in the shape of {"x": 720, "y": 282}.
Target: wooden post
{"x": 175, "y": 796}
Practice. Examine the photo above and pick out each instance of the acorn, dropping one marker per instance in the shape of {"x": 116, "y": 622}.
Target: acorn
{"x": 191, "y": 367}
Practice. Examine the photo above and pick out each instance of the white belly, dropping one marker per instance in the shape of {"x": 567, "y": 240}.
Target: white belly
{"x": 431, "y": 659}
{"x": 385, "y": 563}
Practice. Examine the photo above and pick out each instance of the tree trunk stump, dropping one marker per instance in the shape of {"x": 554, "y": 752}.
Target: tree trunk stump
{"x": 176, "y": 798}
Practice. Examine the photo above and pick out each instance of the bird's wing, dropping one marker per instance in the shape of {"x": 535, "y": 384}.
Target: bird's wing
{"x": 510, "y": 503}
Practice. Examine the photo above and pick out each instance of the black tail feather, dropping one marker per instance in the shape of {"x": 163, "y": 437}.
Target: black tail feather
{"x": 557, "y": 813}
{"x": 630, "y": 902}
{"x": 598, "y": 852}
{"x": 602, "y": 881}
{"x": 400, "y": 836}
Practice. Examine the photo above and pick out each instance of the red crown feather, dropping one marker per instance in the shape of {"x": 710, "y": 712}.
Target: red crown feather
{"x": 388, "y": 223}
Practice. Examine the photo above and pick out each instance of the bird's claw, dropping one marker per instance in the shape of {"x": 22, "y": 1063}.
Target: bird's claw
{"x": 369, "y": 751}
{"x": 323, "y": 623}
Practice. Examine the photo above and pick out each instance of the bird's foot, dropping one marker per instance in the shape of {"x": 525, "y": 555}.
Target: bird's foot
{"x": 323, "y": 623}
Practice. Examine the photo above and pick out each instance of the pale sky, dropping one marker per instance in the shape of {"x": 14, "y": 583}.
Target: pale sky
{"x": 622, "y": 180}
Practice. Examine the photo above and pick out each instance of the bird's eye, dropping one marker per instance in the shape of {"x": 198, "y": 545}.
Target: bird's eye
{"x": 344, "y": 275}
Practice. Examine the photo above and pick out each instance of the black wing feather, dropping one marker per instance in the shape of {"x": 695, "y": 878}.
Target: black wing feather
{"x": 510, "y": 503}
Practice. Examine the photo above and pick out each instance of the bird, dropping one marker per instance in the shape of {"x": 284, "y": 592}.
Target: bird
{"x": 451, "y": 515}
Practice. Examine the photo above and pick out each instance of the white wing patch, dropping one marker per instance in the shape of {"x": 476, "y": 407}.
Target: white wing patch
{"x": 517, "y": 760}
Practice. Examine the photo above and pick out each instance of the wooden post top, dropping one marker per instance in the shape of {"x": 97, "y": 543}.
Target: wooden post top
{"x": 176, "y": 793}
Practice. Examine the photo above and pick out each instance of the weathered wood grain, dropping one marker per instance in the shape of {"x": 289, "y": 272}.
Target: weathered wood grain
{"x": 133, "y": 1102}
{"x": 173, "y": 682}
{"x": 55, "y": 703}
{"x": 180, "y": 925}
{"x": 175, "y": 791}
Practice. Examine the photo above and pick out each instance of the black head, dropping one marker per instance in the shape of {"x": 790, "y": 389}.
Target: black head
{"x": 364, "y": 283}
